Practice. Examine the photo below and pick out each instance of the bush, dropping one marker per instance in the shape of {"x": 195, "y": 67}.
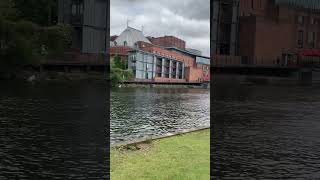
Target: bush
{"x": 120, "y": 63}
{"x": 118, "y": 75}
{"x": 57, "y": 39}
{"x": 25, "y": 43}
{"x": 17, "y": 45}
{"x": 115, "y": 75}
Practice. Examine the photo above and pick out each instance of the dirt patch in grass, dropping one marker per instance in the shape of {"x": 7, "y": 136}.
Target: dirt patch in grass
{"x": 141, "y": 146}
{"x": 185, "y": 156}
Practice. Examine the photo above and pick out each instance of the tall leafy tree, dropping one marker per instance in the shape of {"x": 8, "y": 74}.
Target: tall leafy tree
{"x": 7, "y": 9}
{"x": 42, "y": 12}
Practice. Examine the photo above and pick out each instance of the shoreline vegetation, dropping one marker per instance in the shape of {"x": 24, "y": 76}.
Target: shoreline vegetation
{"x": 119, "y": 71}
{"x": 29, "y": 35}
{"x": 183, "y": 156}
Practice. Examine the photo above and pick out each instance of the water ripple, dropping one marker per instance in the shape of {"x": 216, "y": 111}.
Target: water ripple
{"x": 266, "y": 132}
{"x": 139, "y": 112}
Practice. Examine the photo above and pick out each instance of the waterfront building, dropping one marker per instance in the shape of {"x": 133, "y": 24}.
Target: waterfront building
{"x": 265, "y": 31}
{"x": 160, "y": 59}
{"x": 168, "y": 41}
{"x": 89, "y": 21}
{"x": 150, "y": 65}
{"x": 129, "y": 37}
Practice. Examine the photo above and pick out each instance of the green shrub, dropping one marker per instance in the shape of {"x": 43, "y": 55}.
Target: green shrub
{"x": 57, "y": 39}
{"x": 7, "y": 9}
{"x": 118, "y": 75}
{"x": 18, "y": 46}
{"x": 119, "y": 70}
{"x": 25, "y": 43}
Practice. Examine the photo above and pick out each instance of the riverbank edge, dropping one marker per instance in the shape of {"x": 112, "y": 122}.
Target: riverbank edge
{"x": 123, "y": 85}
{"x": 154, "y": 138}
{"x": 30, "y": 76}
{"x": 262, "y": 80}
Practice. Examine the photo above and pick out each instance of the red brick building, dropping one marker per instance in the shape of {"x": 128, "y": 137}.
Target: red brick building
{"x": 271, "y": 30}
{"x": 168, "y": 41}
{"x": 275, "y": 31}
{"x": 193, "y": 71}
{"x": 162, "y": 59}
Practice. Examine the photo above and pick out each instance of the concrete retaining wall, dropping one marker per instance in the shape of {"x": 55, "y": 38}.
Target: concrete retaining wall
{"x": 141, "y": 140}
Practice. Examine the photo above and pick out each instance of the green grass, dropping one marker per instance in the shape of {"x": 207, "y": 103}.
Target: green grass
{"x": 182, "y": 157}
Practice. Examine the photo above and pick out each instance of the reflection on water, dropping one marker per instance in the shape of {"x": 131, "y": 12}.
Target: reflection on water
{"x": 52, "y": 130}
{"x": 145, "y": 112}
{"x": 265, "y": 132}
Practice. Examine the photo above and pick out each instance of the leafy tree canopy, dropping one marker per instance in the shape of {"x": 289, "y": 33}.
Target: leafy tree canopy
{"x": 7, "y": 9}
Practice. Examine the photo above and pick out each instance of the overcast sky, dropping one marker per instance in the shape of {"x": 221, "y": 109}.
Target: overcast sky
{"x": 186, "y": 19}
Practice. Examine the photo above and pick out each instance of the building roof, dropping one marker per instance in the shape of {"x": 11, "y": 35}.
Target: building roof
{"x": 113, "y": 38}
{"x": 194, "y": 51}
{"x": 199, "y": 58}
{"x": 190, "y": 53}
{"x": 130, "y": 36}
{"x": 306, "y": 4}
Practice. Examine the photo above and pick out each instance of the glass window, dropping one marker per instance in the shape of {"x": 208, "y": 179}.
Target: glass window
{"x": 74, "y": 9}
{"x": 300, "y": 39}
{"x": 77, "y": 7}
{"x": 312, "y": 20}
{"x": 81, "y": 8}
{"x": 300, "y": 19}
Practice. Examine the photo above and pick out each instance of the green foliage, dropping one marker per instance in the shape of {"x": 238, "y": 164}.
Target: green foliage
{"x": 42, "y": 12}
{"x": 7, "y": 9}
{"x": 25, "y": 43}
{"x": 119, "y": 71}
{"x": 56, "y": 39}
{"x": 120, "y": 63}
{"x": 118, "y": 75}
{"x": 26, "y": 36}
{"x": 17, "y": 45}
{"x": 115, "y": 75}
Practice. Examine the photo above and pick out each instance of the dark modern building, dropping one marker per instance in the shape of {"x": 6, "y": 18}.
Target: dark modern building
{"x": 90, "y": 23}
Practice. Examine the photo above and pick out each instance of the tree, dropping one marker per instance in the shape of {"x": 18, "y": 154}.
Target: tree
{"x": 119, "y": 72}
{"x": 120, "y": 63}
{"x": 7, "y": 9}
{"x": 42, "y": 12}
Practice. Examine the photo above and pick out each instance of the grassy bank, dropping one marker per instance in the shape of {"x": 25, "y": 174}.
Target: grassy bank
{"x": 180, "y": 157}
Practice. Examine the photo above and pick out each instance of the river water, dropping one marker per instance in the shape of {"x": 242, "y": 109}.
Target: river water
{"x": 265, "y": 132}
{"x": 53, "y": 130}
{"x": 146, "y": 112}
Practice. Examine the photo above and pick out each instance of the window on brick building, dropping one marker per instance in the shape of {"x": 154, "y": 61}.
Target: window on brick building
{"x": 300, "y": 19}
{"x": 260, "y": 4}
{"x": 312, "y": 39}
{"x": 300, "y": 39}
{"x": 312, "y": 20}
